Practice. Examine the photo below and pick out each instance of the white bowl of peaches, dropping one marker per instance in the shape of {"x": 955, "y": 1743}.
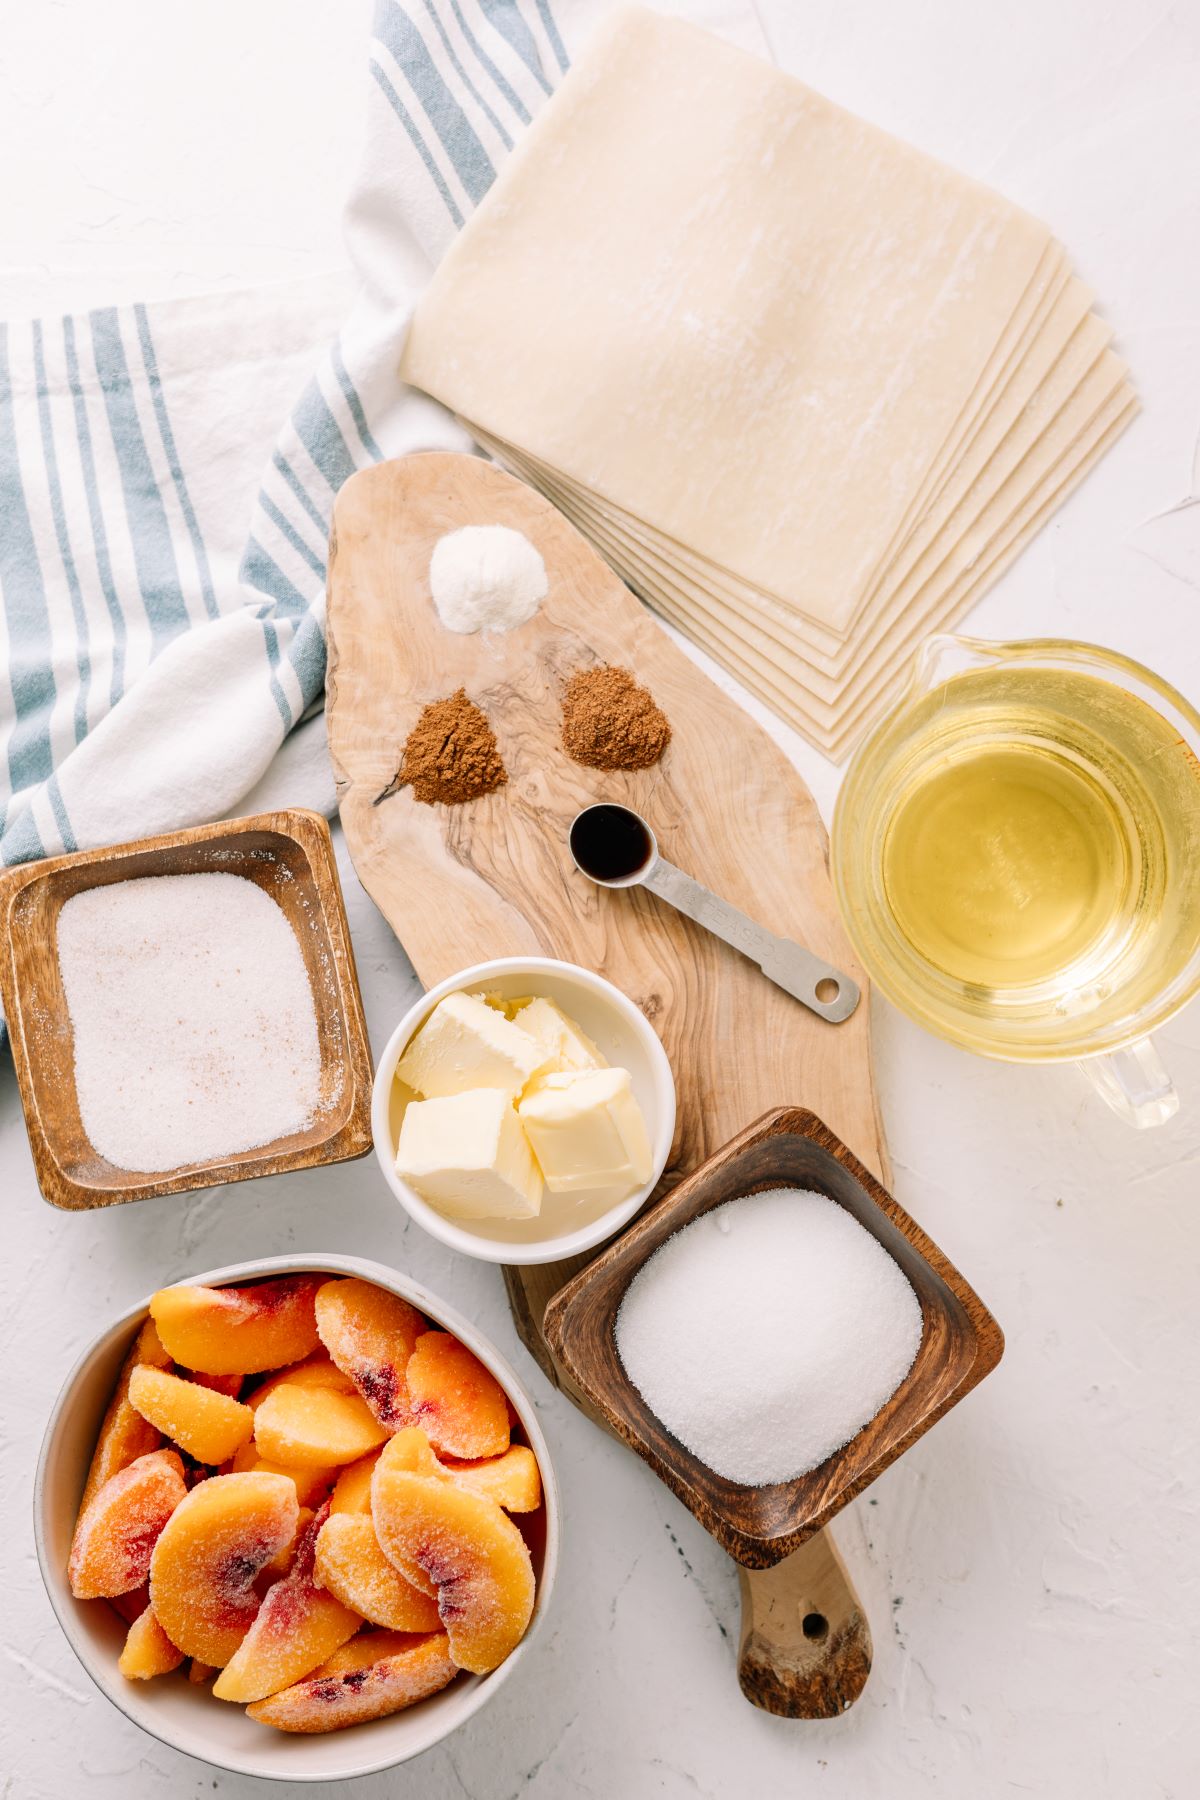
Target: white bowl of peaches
{"x": 297, "y": 1518}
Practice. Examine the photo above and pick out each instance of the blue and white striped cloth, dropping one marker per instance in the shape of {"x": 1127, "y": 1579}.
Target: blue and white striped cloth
{"x": 162, "y": 541}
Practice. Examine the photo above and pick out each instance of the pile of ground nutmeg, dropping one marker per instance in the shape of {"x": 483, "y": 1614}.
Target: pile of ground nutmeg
{"x": 609, "y": 722}
{"x": 450, "y": 754}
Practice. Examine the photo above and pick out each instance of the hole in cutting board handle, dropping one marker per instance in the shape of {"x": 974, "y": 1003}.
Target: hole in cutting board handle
{"x": 815, "y": 1625}
{"x": 827, "y": 990}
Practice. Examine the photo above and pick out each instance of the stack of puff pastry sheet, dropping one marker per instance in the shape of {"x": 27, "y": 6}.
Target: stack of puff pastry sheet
{"x": 807, "y": 390}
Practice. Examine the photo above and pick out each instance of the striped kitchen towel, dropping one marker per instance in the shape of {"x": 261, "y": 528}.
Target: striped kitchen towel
{"x": 162, "y": 541}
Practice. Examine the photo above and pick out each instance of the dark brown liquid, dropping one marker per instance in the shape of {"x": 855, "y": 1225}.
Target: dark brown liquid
{"x": 610, "y": 843}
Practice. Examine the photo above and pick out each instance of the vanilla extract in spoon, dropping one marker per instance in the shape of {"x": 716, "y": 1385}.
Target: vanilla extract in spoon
{"x": 611, "y": 844}
{"x": 615, "y": 847}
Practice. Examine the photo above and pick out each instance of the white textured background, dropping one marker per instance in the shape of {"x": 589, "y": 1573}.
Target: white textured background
{"x": 1031, "y": 1567}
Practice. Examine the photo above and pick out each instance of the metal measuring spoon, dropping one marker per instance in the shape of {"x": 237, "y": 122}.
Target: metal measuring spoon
{"x": 614, "y": 847}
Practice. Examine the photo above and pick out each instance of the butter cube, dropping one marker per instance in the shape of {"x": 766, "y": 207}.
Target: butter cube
{"x": 587, "y": 1131}
{"x": 468, "y": 1156}
{"x": 464, "y": 1044}
{"x": 559, "y": 1036}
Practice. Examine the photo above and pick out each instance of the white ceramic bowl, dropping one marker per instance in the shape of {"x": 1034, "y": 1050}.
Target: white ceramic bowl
{"x": 185, "y": 1716}
{"x": 623, "y": 1035}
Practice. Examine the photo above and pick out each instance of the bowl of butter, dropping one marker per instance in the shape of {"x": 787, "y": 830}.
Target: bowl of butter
{"x": 523, "y": 1110}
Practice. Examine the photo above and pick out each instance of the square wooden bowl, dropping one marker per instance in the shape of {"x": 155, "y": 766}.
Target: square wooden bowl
{"x": 290, "y": 856}
{"x": 960, "y": 1340}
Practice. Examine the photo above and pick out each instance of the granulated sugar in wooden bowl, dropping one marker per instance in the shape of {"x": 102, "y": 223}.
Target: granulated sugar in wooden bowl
{"x": 185, "y": 1011}
{"x": 921, "y": 1368}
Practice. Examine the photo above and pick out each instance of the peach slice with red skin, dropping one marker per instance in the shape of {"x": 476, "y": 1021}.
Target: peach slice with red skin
{"x": 370, "y": 1334}
{"x": 117, "y": 1530}
{"x": 148, "y": 1650}
{"x": 239, "y": 1330}
{"x": 311, "y": 1427}
{"x": 297, "y": 1626}
{"x": 513, "y": 1478}
{"x": 459, "y": 1404}
{"x": 377, "y": 1673}
{"x": 204, "y": 1564}
{"x": 408, "y": 1451}
{"x": 206, "y": 1423}
{"x": 124, "y": 1434}
{"x": 354, "y": 1569}
{"x": 469, "y": 1549}
{"x": 132, "y": 1605}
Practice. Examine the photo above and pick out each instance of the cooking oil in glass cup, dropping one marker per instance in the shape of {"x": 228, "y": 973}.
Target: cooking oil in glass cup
{"x": 1016, "y": 851}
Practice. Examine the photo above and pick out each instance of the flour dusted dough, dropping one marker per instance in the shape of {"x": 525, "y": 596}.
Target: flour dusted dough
{"x": 1043, "y": 342}
{"x": 720, "y": 304}
{"x": 808, "y": 392}
{"x": 1069, "y": 388}
{"x": 771, "y": 670}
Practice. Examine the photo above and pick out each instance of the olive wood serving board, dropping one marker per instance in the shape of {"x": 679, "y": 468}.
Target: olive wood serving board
{"x": 494, "y": 877}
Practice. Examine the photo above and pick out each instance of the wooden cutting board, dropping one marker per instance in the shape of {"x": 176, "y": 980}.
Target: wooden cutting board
{"x": 494, "y": 878}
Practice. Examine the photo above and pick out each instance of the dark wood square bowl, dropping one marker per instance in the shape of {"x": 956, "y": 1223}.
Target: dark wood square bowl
{"x": 960, "y": 1340}
{"x": 289, "y": 855}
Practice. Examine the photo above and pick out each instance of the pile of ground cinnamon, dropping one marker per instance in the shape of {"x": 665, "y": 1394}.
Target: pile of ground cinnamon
{"x": 609, "y": 722}
{"x": 451, "y": 754}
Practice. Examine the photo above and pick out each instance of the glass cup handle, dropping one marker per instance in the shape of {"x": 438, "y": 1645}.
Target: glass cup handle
{"x": 1135, "y": 1082}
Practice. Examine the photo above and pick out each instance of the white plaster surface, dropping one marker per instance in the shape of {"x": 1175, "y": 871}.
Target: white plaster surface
{"x": 1030, "y": 1568}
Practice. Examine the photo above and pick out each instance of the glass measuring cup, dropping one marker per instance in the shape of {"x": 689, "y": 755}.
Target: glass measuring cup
{"x": 1016, "y": 853}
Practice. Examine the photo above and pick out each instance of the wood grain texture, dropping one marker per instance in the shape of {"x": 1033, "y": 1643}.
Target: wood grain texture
{"x": 960, "y": 1339}
{"x": 494, "y": 877}
{"x": 289, "y": 855}
{"x": 805, "y": 1646}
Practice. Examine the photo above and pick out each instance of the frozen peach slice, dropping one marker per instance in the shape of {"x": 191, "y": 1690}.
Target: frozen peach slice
{"x": 352, "y": 1489}
{"x": 204, "y": 1564}
{"x": 200, "y": 1672}
{"x": 298, "y": 1625}
{"x": 356, "y": 1572}
{"x": 469, "y": 1549}
{"x": 221, "y": 1384}
{"x": 312, "y": 1485}
{"x": 124, "y": 1434}
{"x": 409, "y": 1451}
{"x": 319, "y": 1370}
{"x": 239, "y": 1330}
{"x": 282, "y": 1562}
{"x": 314, "y": 1427}
{"x": 148, "y": 1650}
{"x": 513, "y": 1480}
{"x": 370, "y": 1333}
{"x": 132, "y": 1605}
{"x": 377, "y": 1673}
{"x": 208, "y": 1425}
{"x": 117, "y": 1529}
{"x": 458, "y": 1403}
